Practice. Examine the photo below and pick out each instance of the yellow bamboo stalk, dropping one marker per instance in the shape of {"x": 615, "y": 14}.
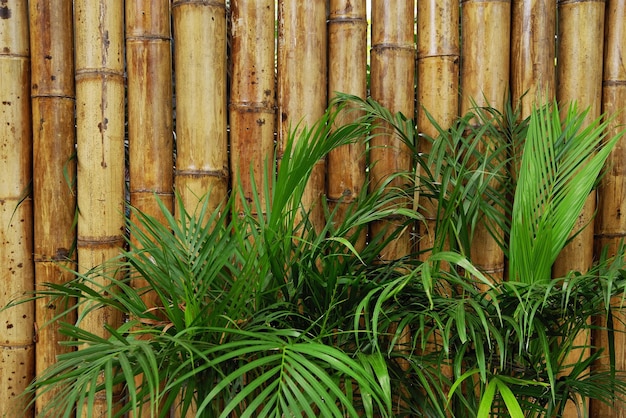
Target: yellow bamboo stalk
{"x": 54, "y": 168}
{"x": 99, "y": 31}
{"x": 393, "y": 85}
{"x": 200, "y": 72}
{"x": 347, "y": 60}
{"x": 252, "y": 100}
{"x": 610, "y": 224}
{"x": 302, "y": 83}
{"x": 579, "y": 78}
{"x": 484, "y": 81}
{"x": 16, "y": 244}
{"x": 149, "y": 71}
{"x": 148, "y": 57}
{"x": 438, "y": 54}
{"x": 533, "y": 74}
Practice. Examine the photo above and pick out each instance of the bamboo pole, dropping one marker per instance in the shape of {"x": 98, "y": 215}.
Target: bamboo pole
{"x": 148, "y": 57}
{"x": 393, "y": 85}
{"x": 54, "y": 168}
{"x": 579, "y": 78}
{"x": 438, "y": 54}
{"x": 347, "y": 60}
{"x": 252, "y": 99}
{"x": 16, "y": 244}
{"x": 99, "y": 31}
{"x": 484, "y": 81}
{"x": 610, "y": 224}
{"x": 150, "y": 141}
{"x": 200, "y": 73}
{"x": 302, "y": 83}
{"x": 533, "y": 50}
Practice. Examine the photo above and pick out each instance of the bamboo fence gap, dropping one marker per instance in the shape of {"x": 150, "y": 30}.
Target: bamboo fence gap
{"x": 100, "y": 120}
{"x": 252, "y": 98}
{"x": 533, "y": 50}
{"x": 438, "y": 54}
{"x": 16, "y": 244}
{"x": 579, "y": 79}
{"x": 393, "y": 85}
{"x": 484, "y": 82}
{"x": 302, "y": 84}
{"x": 610, "y": 224}
{"x": 200, "y": 74}
{"x": 347, "y": 60}
{"x": 54, "y": 168}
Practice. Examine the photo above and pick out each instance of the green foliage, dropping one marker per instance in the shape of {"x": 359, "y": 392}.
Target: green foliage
{"x": 262, "y": 315}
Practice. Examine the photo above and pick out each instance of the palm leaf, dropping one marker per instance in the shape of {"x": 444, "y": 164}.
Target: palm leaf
{"x": 559, "y": 168}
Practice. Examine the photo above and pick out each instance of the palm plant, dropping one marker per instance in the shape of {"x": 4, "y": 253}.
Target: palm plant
{"x": 257, "y": 308}
{"x": 507, "y": 343}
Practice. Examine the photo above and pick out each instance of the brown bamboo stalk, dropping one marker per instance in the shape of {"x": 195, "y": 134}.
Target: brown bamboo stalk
{"x": 347, "y": 60}
{"x": 579, "y": 78}
{"x": 149, "y": 72}
{"x": 533, "y": 74}
{"x": 393, "y": 85}
{"x": 200, "y": 73}
{"x": 610, "y": 225}
{"x": 438, "y": 54}
{"x": 484, "y": 81}
{"x": 16, "y": 244}
{"x": 302, "y": 83}
{"x": 252, "y": 99}
{"x": 54, "y": 168}
{"x": 99, "y": 37}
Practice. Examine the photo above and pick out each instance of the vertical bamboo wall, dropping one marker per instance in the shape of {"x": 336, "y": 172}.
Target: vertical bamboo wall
{"x": 16, "y": 220}
{"x": 63, "y": 91}
{"x": 54, "y": 161}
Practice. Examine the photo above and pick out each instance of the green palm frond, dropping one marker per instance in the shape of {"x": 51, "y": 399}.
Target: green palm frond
{"x": 559, "y": 168}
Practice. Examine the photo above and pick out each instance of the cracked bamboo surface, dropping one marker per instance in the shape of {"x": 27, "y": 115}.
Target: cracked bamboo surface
{"x": 100, "y": 120}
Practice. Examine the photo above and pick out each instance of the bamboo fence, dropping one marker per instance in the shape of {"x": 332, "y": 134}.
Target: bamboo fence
{"x": 103, "y": 102}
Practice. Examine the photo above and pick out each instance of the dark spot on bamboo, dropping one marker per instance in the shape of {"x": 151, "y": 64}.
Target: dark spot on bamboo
{"x": 102, "y": 126}
{"x": 53, "y": 77}
{"x": 9, "y": 326}
{"x": 48, "y": 57}
{"x": 51, "y": 306}
{"x": 267, "y": 92}
{"x": 5, "y": 12}
{"x": 6, "y": 50}
{"x": 6, "y": 103}
{"x": 260, "y": 122}
{"x": 20, "y": 265}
